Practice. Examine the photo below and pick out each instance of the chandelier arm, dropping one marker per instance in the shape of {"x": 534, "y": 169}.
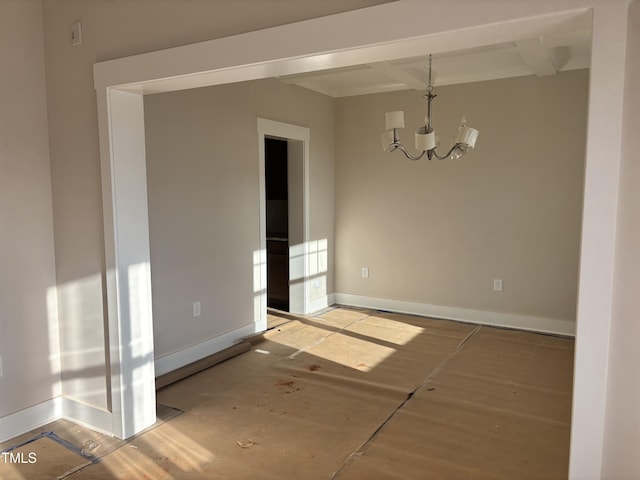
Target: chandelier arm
{"x": 448, "y": 154}
{"x": 399, "y": 146}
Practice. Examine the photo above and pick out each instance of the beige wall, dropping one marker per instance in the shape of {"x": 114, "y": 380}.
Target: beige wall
{"x": 203, "y": 189}
{"x": 28, "y": 322}
{"x": 622, "y": 431}
{"x": 439, "y": 232}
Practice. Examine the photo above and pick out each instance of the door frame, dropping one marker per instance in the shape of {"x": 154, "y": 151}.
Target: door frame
{"x": 298, "y": 254}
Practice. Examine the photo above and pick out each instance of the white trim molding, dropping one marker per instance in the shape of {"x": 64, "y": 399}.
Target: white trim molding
{"x": 126, "y": 234}
{"x": 495, "y": 319}
{"x": 299, "y": 254}
{"x": 322, "y": 302}
{"x": 173, "y": 361}
{"x": 30, "y": 418}
{"x": 87, "y": 416}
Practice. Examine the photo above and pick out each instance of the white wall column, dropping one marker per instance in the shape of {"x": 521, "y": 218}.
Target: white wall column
{"x": 124, "y": 187}
{"x": 604, "y": 143}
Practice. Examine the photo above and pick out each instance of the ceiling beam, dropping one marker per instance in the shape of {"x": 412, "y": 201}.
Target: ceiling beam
{"x": 399, "y": 75}
{"x": 318, "y": 74}
{"x": 536, "y": 56}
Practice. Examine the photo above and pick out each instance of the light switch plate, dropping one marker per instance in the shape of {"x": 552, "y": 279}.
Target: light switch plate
{"x": 76, "y": 34}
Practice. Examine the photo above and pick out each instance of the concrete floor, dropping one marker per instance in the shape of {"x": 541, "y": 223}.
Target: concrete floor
{"x": 348, "y": 394}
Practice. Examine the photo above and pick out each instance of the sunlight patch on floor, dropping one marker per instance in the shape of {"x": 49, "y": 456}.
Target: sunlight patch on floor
{"x": 387, "y": 330}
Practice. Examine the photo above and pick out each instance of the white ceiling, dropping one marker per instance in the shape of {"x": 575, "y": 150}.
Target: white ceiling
{"x": 561, "y": 49}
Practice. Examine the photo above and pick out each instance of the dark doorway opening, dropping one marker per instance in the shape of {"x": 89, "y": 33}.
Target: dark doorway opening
{"x": 277, "y": 213}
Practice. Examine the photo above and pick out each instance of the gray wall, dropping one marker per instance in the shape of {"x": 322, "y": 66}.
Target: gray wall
{"x": 439, "y": 232}
{"x": 203, "y": 188}
{"x": 28, "y": 311}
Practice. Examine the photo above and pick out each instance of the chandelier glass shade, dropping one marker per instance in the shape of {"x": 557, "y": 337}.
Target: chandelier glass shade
{"x": 426, "y": 141}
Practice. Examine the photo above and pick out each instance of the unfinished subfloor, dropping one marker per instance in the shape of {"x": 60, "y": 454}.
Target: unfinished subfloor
{"x": 348, "y": 394}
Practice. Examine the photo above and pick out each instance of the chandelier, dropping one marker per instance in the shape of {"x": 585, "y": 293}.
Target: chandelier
{"x": 426, "y": 140}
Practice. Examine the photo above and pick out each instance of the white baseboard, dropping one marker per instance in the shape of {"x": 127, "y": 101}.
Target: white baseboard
{"x": 32, "y": 417}
{"x": 87, "y": 416}
{"x": 508, "y": 320}
{"x": 59, "y": 407}
{"x": 173, "y": 361}
{"x": 101, "y": 420}
{"x": 320, "y": 303}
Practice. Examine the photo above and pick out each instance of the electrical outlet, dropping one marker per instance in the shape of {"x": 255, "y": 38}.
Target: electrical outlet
{"x": 497, "y": 285}
{"x": 197, "y": 310}
{"x": 365, "y": 272}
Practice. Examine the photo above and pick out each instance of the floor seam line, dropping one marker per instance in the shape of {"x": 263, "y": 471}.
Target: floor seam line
{"x": 360, "y": 450}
